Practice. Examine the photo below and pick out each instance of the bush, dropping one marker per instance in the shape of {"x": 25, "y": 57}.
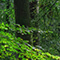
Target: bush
{"x": 13, "y": 48}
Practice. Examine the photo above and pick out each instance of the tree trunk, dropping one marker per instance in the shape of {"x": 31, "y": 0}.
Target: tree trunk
{"x": 22, "y": 15}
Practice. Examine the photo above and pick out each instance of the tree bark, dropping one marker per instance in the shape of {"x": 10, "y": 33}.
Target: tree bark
{"x": 22, "y": 16}
{"x": 22, "y": 13}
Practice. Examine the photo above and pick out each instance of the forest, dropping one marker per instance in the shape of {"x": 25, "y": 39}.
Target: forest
{"x": 30, "y": 30}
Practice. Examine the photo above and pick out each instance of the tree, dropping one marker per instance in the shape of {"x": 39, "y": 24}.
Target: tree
{"x": 22, "y": 15}
{"x": 22, "y": 12}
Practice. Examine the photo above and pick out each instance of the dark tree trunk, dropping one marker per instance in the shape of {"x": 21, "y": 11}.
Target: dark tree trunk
{"x": 22, "y": 12}
{"x": 22, "y": 15}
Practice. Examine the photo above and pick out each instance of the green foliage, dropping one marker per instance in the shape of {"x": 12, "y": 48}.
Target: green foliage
{"x": 4, "y": 12}
{"x": 2, "y": 0}
{"x": 46, "y": 24}
{"x": 13, "y": 48}
{"x": 48, "y": 20}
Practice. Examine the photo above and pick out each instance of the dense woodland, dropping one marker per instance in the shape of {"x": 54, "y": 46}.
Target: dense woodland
{"x": 29, "y": 29}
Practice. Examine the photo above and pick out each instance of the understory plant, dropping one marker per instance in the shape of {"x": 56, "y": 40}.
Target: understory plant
{"x": 15, "y": 48}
